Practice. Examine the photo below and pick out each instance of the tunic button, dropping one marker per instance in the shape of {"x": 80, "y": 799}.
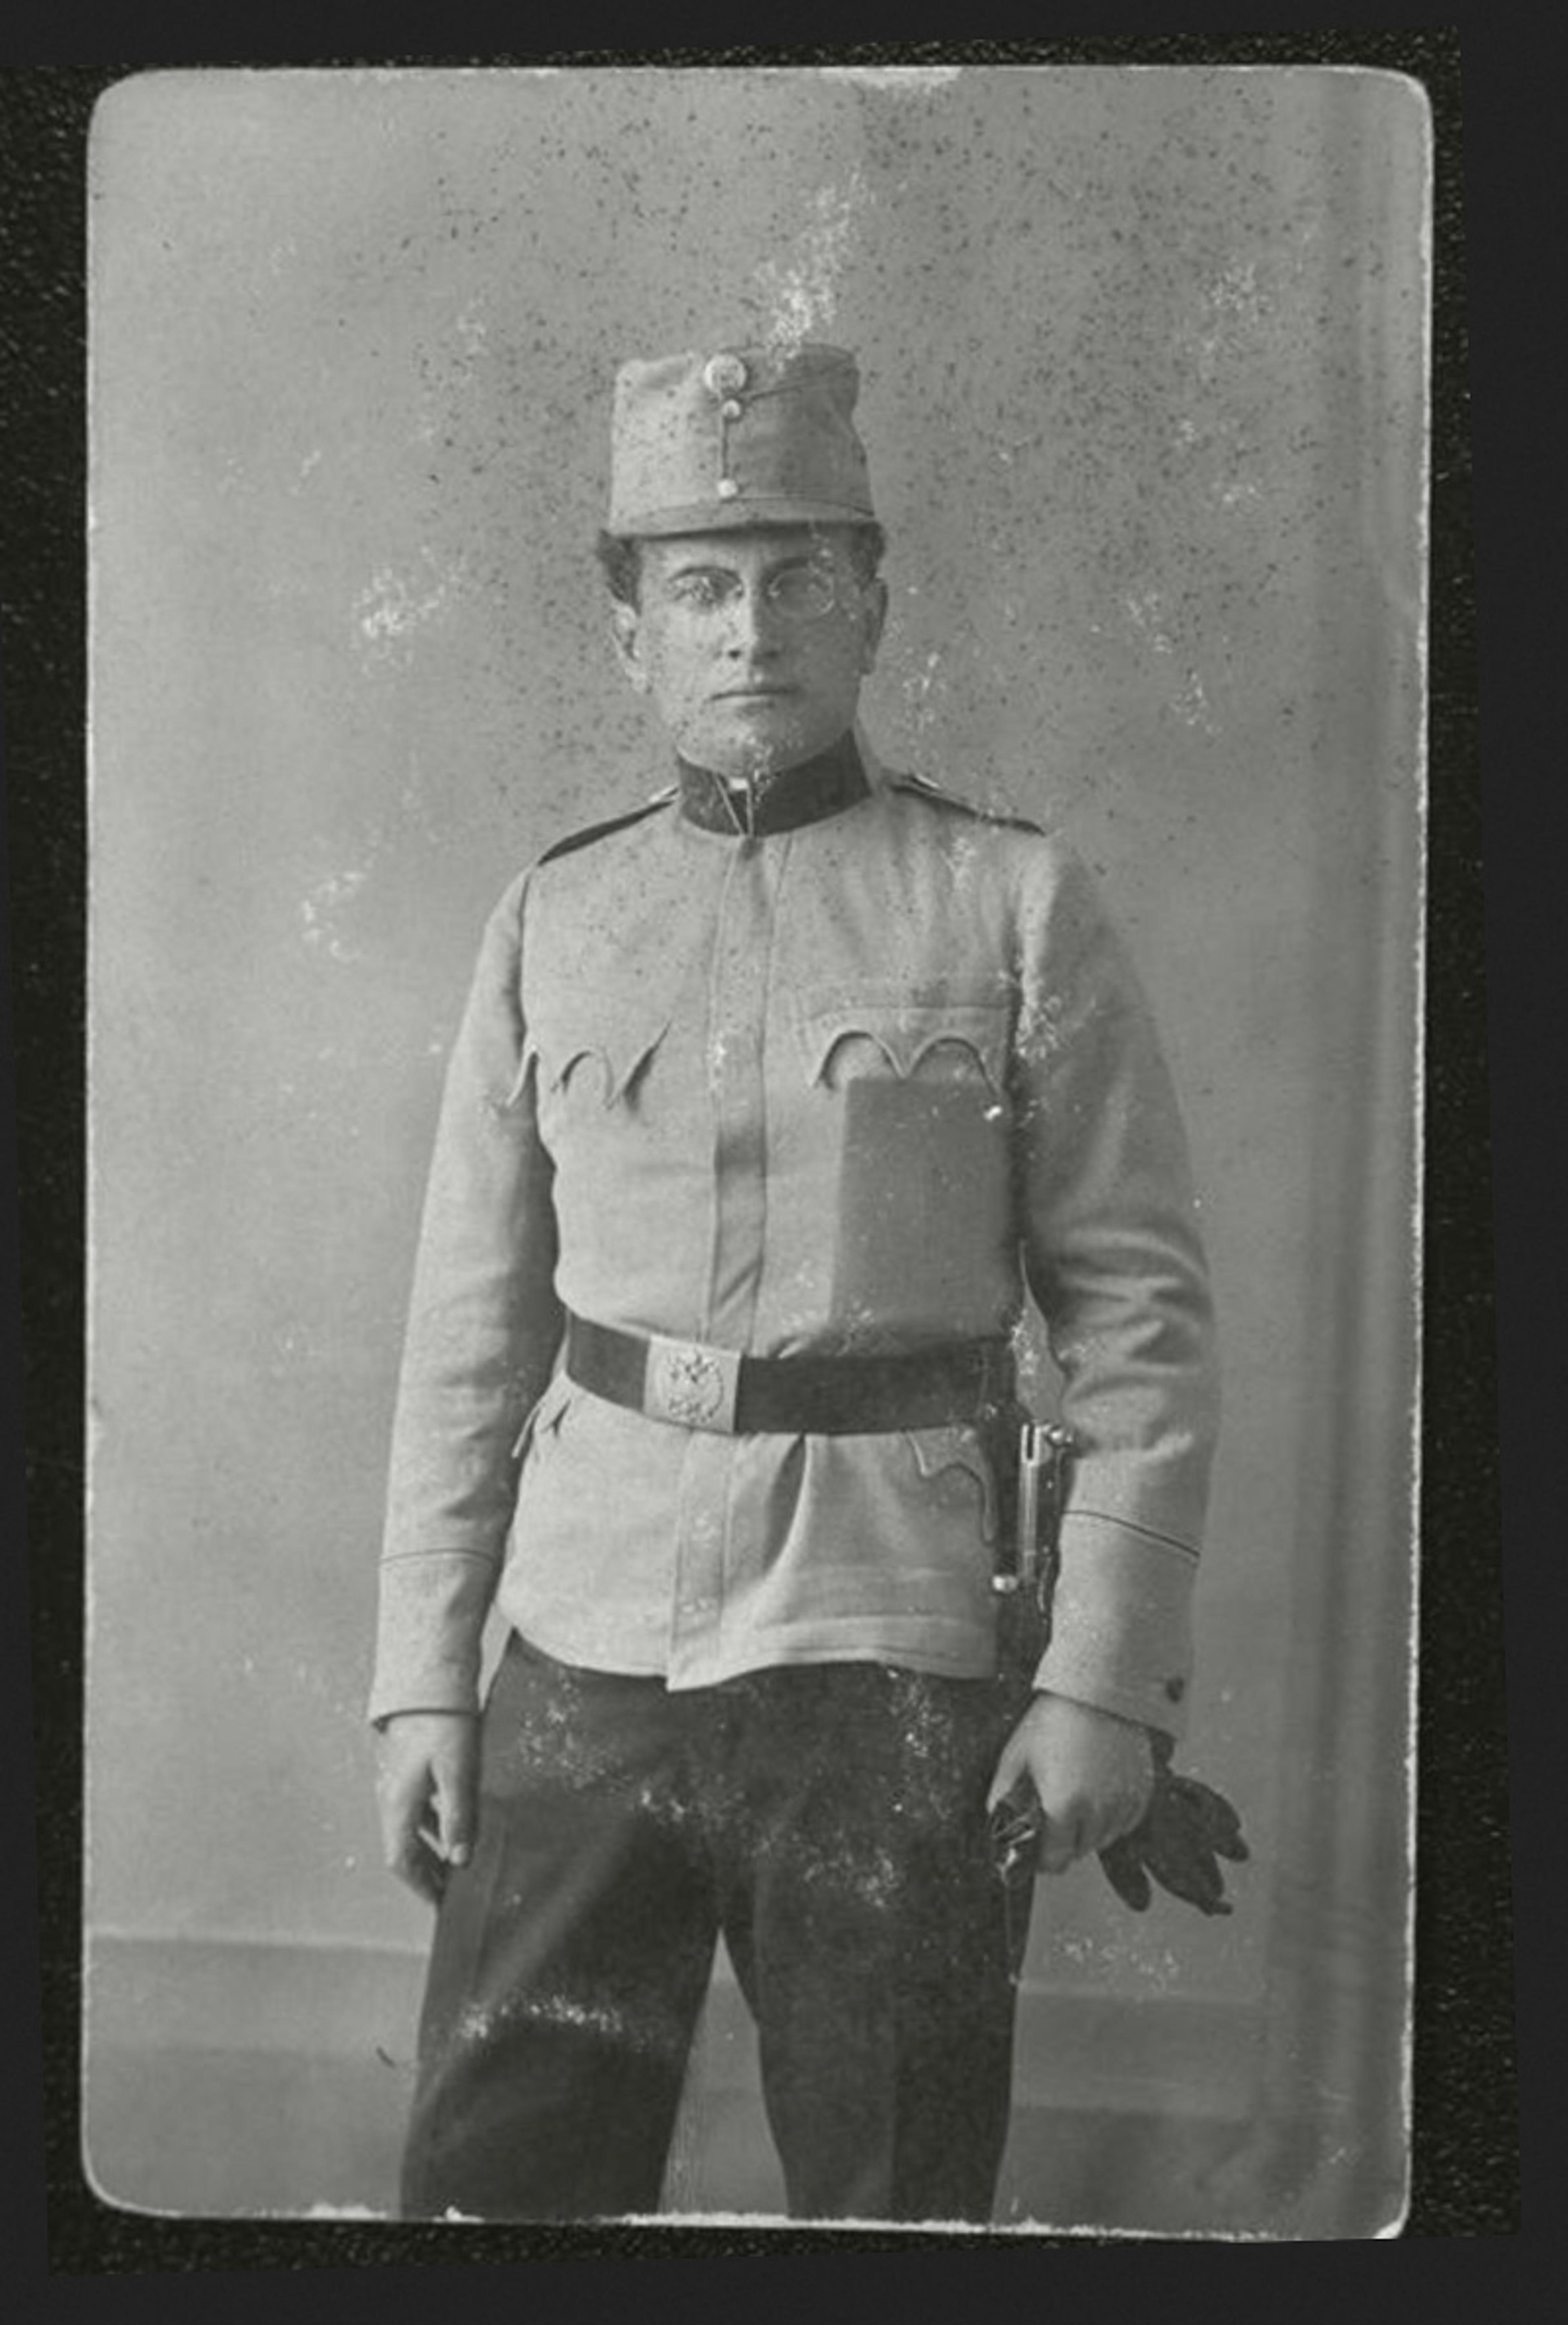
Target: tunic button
{"x": 1175, "y": 1689}
{"x": 731, "y": 409}
{"x": 725, "y": 375}
{"x": 728, "y": 488}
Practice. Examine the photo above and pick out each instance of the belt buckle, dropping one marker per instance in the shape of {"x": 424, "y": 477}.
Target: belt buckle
{"x": 691, "y": 1385}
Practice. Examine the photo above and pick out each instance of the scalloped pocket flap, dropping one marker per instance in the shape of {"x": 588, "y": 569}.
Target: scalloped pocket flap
{"x": 949, "y": 1041}
{"x": 618, "y": 1056}
{"x": 938, "y": 1451}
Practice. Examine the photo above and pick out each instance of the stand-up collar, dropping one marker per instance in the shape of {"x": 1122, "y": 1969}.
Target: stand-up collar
{"x": 824, "y": 786}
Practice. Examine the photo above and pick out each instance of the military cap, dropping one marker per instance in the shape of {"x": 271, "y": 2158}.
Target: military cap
{"x": 708, "y": 441}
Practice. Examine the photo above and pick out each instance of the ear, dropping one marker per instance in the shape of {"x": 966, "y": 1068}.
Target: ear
{"x": 626, "y": 630}
{"x": 875, "y": 600}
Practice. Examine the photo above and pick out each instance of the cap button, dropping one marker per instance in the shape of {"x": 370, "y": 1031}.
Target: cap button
{"x": 728, "y": 488}
{"x": 725, "y": 375}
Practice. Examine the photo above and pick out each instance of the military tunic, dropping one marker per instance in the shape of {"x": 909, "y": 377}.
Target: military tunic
{"x": 854, "y": 1083}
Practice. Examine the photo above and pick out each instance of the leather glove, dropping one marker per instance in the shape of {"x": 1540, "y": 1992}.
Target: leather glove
{"x": 1186, "y": 1830}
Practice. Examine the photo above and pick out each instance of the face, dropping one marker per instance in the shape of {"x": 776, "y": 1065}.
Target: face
{"x": 752, "y": 645}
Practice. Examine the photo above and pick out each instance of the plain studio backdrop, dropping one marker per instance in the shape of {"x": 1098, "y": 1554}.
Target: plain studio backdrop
{"x": 1144, "y": 358}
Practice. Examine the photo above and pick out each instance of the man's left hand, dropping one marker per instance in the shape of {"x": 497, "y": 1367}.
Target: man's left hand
{"x": 1092, "y": 1771}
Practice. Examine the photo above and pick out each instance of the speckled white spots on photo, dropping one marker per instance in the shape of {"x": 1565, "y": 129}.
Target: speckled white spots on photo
{"x": 800, "y": 293}
{"x": 320, "y": 910}
{"x": 394, "y": 605}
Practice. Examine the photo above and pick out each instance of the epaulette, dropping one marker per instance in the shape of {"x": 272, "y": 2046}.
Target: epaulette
{"x": 920, "y": 787}
{"x": 576, "y": 840}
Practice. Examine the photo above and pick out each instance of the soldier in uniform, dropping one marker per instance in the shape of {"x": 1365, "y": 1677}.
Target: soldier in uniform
{"x": 773, "y": 1100}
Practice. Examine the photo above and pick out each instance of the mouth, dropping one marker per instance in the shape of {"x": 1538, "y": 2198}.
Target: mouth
{"x": 762, "y": 692}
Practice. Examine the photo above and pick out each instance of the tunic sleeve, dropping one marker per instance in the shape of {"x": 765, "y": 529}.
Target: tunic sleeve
{"x": 1116, "y": 1267}
{"x": 483, "y": 1328}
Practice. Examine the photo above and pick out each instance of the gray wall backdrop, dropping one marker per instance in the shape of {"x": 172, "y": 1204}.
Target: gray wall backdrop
{"x": 1143, "y": 357}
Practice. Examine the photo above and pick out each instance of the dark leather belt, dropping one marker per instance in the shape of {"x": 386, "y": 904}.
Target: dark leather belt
{"x": 697, "y": 1386}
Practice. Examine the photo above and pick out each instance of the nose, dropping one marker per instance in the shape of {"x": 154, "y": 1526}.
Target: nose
{"x": 752, "y": 625}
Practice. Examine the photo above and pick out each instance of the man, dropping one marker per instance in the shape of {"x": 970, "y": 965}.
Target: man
{"x": 769, "y": 1099}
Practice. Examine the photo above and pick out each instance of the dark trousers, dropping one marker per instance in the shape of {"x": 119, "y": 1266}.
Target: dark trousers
{"x": 829, "y": 1820}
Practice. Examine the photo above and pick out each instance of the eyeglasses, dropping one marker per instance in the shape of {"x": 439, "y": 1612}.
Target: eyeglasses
{"x": 796, "y": 593}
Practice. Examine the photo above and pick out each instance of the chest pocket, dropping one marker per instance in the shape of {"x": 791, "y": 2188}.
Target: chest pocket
{"x": 915, "y": 1124}
{"x": 869, "y": 1036}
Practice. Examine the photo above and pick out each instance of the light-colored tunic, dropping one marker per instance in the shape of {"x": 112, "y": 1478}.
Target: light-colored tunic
{"x": 846, "y": 1087}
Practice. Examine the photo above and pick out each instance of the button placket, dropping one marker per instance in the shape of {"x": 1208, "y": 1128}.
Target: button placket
{"x": 738, "y": 994}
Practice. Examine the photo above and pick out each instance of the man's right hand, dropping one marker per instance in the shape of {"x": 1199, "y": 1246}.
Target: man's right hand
{"x": 428, "y": 1788}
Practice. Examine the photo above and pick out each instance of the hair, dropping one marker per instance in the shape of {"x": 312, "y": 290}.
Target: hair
{"x": 620, "y": 556}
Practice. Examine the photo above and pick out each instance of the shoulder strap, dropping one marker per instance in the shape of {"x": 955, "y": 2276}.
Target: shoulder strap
{"x": 584, "y": 839}
{"x": 919, "y": 787}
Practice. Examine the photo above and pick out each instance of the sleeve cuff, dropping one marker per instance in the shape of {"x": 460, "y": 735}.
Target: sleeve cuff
{"x": 1120, "y": 1622}
{"x": 433, "y": 1604}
